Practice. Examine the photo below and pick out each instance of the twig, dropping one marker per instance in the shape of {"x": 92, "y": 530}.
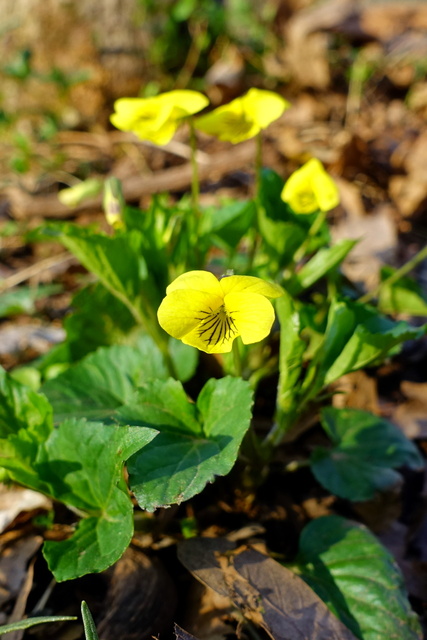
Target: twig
{"x": 35, "y": 269}
{"x": 134, "y": 187}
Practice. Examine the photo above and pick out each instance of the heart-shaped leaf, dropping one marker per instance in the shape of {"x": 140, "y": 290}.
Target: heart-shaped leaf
{"x": 357, "y": 578}
{"x": 195, "y": 443}
{"x": 366, "y": 450}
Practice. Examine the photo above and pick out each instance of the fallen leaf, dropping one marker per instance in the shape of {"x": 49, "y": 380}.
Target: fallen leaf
{"x": 13, "y": 566}
{"x": 181, "y": 634}
{"x": 15, "y": 500}
{"x": 411, "y": 415}
{"x": 268, "y": 594}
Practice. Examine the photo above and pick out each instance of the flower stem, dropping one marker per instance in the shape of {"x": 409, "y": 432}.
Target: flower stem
{"x": 258, "y": 165}
{"x": 238, "y": 368}
{"x": 195, "y": 186}
{"x": 257, "y": 199}
{"x": 315, "y": 227}
{"x": 404, "y": 269}
{"x": 294, "y": 465}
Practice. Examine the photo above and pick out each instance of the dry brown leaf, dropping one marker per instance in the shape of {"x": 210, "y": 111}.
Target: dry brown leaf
{"x": 15, "y": 500}
{"x": 411, "y": 416}
{"x": 377, "y": 237}
{"x": 268, "y": 594}
{"x": 181, "y": 634}
{"x": 356, "y": 390}
{"x": 306, "y": 48}
{"x": 13, "y": 566}
{"x": 209, "y": 615}
{"x": 386, "y": 20}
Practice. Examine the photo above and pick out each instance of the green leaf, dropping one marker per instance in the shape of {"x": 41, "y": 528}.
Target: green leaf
{"x": 374, "y": 338}
{"x": 229, "y": 223}
{"x": 339, "y": 328}
{"x": 23, "y": 410}
{"x": 365, "y": 451}
{"x": 404, "y": 296}
{"x": 138, "y": 286}
{"x": 99, "y": 319}
{"x": 356, "y": 336}
{"x": 357, "y": 578}
{"x": 88, "y": 623}
{"x": 282, "y": 239}
{"x": 320, "y": 264}
{"x": 103, "y": 381}
{"x": 32, "y": 622}
{"x": 196, "y": 442}
{"x": 292, "y": 349}
{"x": 28, "y": 376}
{"x": 184, "y": 358}
{"x": 96, "y": 544}
{"x": 81, "y": 464}
{"x": 25, "y": 423}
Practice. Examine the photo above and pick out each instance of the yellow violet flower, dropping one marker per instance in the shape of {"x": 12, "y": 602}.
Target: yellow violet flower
{"x": 310, "y": 189}
{"x": 209, "y": 314}
{"x": 157, "y": 119}
{"x": 244, "y": 117}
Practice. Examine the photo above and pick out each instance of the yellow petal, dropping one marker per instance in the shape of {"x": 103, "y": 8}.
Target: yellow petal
{"x": 130, "y": 111}
{"x": 197, "y": 280}
{"x": 252, "y": 314}
{"x": 159, "y": 134}
{"x": 156, "y": 119}
{"x": 299, "y": 194}
{"x": 243, "y": 117}
{"x": 184, "y": 309}
{"x": 310, "y": 189}
{"x": 184, "y": 102}
{"x": 326, "y": 191}
{"x": 215, "y": 337}
{"x": 250, "y": 284}
{"x": 228, "y": 123}
{"x": 263, "y": 107}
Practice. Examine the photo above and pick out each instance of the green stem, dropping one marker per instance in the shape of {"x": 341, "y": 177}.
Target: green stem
{"x": 238, "y": 368}
{"x": 195, "y": 186}
{"x": 258, "y": 166}
{"x": 296, "y": 464}
{"x": 284, "y": 422}
{"x": 191, "y": 222}
{"x": 315, "y": 227}
{"x": 406, "y": 268}
{"x": 257, "y": 199}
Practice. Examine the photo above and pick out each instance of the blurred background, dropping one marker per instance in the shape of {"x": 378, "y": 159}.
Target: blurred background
{"x": 354, "y": 71}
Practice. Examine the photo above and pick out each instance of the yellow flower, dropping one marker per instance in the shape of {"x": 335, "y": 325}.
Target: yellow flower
{"x": 157, "y": 119}
{"x": 209, "y": 314}
{"x": 310, "y": 189}
{"x": 244, "y": 117}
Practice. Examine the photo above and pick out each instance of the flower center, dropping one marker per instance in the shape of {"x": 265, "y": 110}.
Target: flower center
{"x": 238, "y": 123}
{"x": 216, "y": 326}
